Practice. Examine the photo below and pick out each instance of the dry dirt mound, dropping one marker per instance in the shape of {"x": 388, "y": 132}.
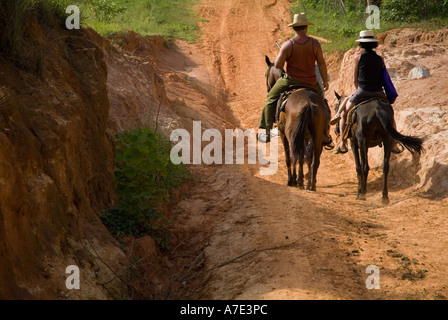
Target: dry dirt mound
{"x": 406, "y": 36}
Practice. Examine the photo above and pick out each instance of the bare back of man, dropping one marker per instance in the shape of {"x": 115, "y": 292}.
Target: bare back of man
{"x": 300, "y": 54}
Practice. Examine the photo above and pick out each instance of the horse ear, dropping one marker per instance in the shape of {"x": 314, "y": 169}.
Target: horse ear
{"x": 267, "y": 60}
{"x": 337, "y": 96}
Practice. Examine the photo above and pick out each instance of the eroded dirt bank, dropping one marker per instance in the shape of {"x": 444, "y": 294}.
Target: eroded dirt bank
{"x": 56, "y": 167}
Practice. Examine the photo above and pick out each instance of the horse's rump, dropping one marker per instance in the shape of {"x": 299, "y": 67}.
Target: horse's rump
{"x": 383, "y": 113}
{"x": 285, "y": 95}
{"x": 353, "y": 114}
{"x": 309, "y": 112}
{"x": 281, "y": 103}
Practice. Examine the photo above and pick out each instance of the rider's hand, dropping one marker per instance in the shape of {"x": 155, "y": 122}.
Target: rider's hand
{"x": 326, "y": 86}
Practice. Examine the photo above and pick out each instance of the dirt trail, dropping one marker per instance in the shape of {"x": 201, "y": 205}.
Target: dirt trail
{"x": 308, "y": 245}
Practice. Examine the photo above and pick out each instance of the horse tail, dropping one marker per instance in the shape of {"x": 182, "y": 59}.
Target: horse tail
{"x": 298, "y": 137}
{"x": 412, "y": 143}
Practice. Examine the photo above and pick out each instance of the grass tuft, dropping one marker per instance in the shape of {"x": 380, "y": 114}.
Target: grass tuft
{"x": 168, "y": 18}
{"x": 342, "y": 28}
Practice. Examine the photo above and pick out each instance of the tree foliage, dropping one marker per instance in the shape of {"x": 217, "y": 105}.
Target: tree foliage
{"x": 391, "y": 10}
{"x": 411, "y": 10}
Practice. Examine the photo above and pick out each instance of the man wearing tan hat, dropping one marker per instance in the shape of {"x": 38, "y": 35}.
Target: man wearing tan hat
{"x": 301, "y": 54}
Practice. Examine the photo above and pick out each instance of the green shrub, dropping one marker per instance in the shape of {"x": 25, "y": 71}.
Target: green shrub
{"x": 392, "y": 10}
{"x": 168, "y": 18}
{"x": 411, "y": 10}
{"x": 106, "y": 10}
{"x": 144, "y": 176}
{"x": 341, "y": 24}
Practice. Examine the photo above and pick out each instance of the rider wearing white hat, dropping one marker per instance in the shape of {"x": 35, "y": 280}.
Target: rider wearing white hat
{"x": 366, "y": 36}
{"x": 368, "y": 81}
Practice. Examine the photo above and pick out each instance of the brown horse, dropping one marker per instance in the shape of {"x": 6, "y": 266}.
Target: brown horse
{"x": 374, "y": 127}
{"x": 301, "y": 126}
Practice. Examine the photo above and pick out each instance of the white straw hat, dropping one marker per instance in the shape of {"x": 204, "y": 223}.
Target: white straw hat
{"x": 300, "y": 19}
{"x": 366, "y": 36}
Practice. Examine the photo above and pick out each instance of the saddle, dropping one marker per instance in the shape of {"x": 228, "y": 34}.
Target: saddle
{"x": 351, "y": 116}
{"x": 281, "y": 103}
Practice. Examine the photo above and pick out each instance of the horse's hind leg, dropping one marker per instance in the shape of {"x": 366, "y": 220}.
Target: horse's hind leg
{"x": 288, "y": 159}
{"x": 317, "y": 151}
{"x": 294, "y": 170}
{"x": 300, "y": 179}
{"x": 387, "y": 151}
{"x": 310, "y": 162}
{"x": 363, "y": 149}
{"x": 355, "y": 150}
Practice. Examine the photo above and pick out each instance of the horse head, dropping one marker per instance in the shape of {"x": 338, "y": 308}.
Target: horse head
{"x": 272, "y": 74}
{"x": 336, "y": 109}
{"x": 340, "y": 99}
{"x": 337, "y": 96}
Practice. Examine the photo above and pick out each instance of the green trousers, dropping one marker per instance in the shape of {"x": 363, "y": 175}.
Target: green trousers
{"x": 270, "y": 106}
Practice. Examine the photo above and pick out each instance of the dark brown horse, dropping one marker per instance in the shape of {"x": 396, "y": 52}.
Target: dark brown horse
{"x": 374, "y": 127}
{"x": 301, "y": 126}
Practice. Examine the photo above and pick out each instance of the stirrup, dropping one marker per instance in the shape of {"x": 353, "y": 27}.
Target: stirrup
{"x": 263, "y": 137}
{"x": 335, "y": 119}
{"x": 341, "y": 151}
{"x": 329, "y": 144}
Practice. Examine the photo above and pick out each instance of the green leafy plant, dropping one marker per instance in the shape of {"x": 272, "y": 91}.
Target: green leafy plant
{"x": 341, "y": 21}
{"x": 410, "y": 11}
{"x": 145, "y": 176}
{"x": 168, "y": 18}
{"x": 106, "y": 10}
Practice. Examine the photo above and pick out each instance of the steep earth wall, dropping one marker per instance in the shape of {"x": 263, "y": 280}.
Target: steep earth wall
{"x": 62, "y": 100}
{"x": 59, "y": 113}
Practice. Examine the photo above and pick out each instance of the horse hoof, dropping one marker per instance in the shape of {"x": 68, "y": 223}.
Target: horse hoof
{"x": 312, "y": 189}
{"x": 361, "y": 197}
{"x": 385, "y": 201}
{"x": 341, "y": 150}
{"x": 292, "y": 183}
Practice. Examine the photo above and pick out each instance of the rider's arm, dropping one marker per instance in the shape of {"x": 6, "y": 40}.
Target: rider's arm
{"x": 322, "y": 65}
{"x": 279, "y": 62}
{"x": 355, "y": 72}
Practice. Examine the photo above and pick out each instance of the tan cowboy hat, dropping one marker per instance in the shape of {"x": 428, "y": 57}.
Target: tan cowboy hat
{"x": 300, "y": 19}
{"x": 366, "y": 36}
